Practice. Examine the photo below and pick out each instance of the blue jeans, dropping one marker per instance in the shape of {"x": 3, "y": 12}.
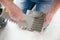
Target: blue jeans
{"x": 41, "y": 5}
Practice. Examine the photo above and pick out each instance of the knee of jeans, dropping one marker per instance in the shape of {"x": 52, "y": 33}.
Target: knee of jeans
{"x": 24, "y": 11}
{"x": 44, "y": 6}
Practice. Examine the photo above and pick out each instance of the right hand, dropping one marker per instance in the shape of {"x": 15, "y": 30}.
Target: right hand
{"x": 15, "y": 12}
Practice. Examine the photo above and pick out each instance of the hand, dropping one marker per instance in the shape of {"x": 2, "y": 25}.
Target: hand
{"x": 52, "y": 11}
{"x": 15, "y": 12}
{"x": 16, "y": 16}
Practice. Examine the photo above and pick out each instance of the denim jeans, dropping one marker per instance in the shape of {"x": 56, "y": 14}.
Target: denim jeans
{"x": 41, "y": 5}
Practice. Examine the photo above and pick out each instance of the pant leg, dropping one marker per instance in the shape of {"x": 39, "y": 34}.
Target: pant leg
{"x": 43, "y": 5}
{"x": 24, "y": 4}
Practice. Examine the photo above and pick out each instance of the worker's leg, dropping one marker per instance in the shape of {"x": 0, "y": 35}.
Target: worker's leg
{"x": 24, "y": 4}
{"x": 43, "y": 5}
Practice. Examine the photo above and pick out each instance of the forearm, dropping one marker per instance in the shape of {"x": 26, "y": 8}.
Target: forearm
{"x": 15, "y": 11}
{"x": 52, "y": 11}
{"x": 10, "y": 5}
